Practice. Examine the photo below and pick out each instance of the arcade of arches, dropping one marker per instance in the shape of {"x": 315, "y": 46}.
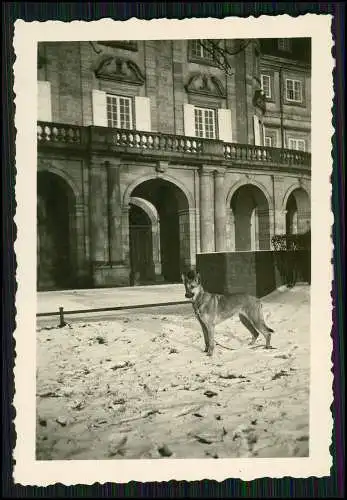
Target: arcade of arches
{"x": 158, "y": 234}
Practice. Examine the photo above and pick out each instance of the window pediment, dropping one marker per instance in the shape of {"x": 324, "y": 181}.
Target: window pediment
{"x": 204, "y": 84}
{"x": 119, "y": 69}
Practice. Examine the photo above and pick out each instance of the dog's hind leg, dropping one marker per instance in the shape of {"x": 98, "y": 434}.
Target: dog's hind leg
{"x": 265, "y": 330}
{"x": 250, "y": 327}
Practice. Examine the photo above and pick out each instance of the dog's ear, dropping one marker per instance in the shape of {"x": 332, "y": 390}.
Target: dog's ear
{"x": 183, "y": 277}
{"x": 198, "y": 279}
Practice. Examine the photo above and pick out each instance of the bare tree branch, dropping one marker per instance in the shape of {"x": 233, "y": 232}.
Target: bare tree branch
{"x": 97, "y": 51}
{"x": 220, "y": 54}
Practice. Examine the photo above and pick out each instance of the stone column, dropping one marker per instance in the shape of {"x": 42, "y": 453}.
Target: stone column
{"x": 98, "y": 210}
{"x": 115, "y": 213}
{"x": 79, "y": 231}
{"x": 206, "y": 211}
{"x": 278, "y": 213}
{"x": 219, "y": 211}
{"x": 156, "y": 247}
{"x": 125, "y": 236}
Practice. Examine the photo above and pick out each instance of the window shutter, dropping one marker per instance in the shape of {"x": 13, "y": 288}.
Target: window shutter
{"x": 99, "y": 108}
{"x": 256, "y": 125}
{"x": 189, "y": 121}
{"x": 44, "y": 104}
{"x": 143, "y": 114}
{"x": 224, "y": 125}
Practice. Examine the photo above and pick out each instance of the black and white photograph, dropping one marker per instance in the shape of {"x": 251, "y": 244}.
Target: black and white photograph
{"x": 174, "y": 287}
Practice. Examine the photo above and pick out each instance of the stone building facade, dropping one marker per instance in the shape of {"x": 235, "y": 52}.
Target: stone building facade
{"x": 149, "y": 153}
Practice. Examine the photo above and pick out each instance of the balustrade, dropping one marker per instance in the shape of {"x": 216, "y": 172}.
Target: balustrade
{"x": 155, "y": 141}
{"x": 247, "y": 152}
{"x": 55, "y": 133}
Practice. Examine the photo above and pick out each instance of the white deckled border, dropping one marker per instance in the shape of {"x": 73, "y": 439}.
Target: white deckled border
{"x": 27, "y": 470}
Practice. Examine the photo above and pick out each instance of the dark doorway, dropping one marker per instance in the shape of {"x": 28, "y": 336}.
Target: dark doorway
{"x": 170, "y": 203}
{"x": 141, "y": 245}
{"x": 55, "y": 209}
{"x": 292, "y": 216}
{"x": 251, "y": 219}
{"x": 298, "y": 213}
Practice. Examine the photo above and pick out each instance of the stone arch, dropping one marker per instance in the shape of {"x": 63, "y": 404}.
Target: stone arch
{"x": 153, "y": 216}
{"x": 57, "y": 266}
{"x": 290, "y": 190}
{"x": 250, "y": 218}
{"x": 130, "y": 188}
{"x": 174, "y": 205}
{"x": 147, "y": 207}
{"x": 49, "y": 167}
{"x": 244, "y": 182}
{"x": 297, "y": 207}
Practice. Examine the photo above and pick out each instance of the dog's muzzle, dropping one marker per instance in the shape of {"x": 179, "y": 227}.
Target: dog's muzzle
{"x": 189, "y": 295}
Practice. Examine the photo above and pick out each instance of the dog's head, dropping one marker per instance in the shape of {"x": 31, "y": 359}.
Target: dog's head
{"x": 192, "y": 284}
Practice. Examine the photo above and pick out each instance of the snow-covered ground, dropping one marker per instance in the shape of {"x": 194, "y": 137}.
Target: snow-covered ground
{"x": 140, "y": 386}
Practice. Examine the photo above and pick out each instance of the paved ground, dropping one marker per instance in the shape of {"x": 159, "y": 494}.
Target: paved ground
{"x": 140, "y": 386}
{"x": 108, "y": 297}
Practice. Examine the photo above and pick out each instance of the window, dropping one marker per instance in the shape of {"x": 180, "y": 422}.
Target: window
{"x": 285, "y": 44}
{"x": 293, "y": 90}
{"x": 268, "y": 141}
{"x": 270, "y": 137}
{"x": 297, "y": 144}
{"x": 205, "y": 123}
{"x": 204, "y": 51}
{"x": 201, "y": 49}
{"x": 119, "y": 112}
{"x": 266, "y": 85}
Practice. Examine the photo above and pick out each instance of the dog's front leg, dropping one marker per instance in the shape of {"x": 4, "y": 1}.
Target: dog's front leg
{"x": 205, "y": 332}
{"x": 210, "y": 335}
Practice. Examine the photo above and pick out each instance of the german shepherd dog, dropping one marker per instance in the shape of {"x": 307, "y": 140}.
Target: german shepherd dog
{"x": 212, "y": 309}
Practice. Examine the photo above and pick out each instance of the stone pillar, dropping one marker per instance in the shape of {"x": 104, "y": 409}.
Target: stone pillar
{"x": 156, "y": 247}
{"x": 206, "y": 211}
{"x": 192, "y": 237}
{"x": 115, "y": 213}
{"x": 184, "y": 234}
{"x": 125, "y": 236}
{"x": 278, "y": 213}
{"x": 98, "y": 210}
{"x": 219, "y": 211}
{"x": 230, "y": 230}
{"x": 79, "y": 231}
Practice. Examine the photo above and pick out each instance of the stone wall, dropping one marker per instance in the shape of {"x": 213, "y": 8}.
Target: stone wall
{"x": 256, "y": 273}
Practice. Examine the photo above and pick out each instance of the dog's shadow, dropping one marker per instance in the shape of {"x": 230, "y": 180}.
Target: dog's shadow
{"x": 261, "y": 346}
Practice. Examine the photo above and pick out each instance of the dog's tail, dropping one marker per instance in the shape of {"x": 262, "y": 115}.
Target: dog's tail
{"x": 267, "y": 328}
